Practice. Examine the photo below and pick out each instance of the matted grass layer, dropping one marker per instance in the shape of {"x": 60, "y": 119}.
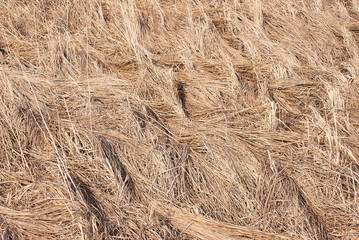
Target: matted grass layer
{"x": 179, "y": 119}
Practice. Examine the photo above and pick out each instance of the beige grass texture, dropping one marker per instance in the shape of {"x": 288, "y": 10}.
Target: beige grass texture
{"x": 166, "y": 119}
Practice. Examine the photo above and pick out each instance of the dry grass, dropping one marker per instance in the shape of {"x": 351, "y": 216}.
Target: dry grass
{"x": 179, "y": 119}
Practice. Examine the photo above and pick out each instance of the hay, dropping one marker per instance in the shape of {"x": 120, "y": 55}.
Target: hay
{"x": 179, "y": 119}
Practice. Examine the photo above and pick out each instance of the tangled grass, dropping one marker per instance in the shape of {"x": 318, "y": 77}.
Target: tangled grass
{"x": 159, "y": 119}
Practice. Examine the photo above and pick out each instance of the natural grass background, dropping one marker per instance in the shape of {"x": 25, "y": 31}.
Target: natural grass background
{"x": 171, "y": 119}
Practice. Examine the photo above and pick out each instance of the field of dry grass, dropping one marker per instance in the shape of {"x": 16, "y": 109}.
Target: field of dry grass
{"x": 175, "y": 119}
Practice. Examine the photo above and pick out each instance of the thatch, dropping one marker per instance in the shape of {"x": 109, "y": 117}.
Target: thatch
{"x": 179, "y": 119}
